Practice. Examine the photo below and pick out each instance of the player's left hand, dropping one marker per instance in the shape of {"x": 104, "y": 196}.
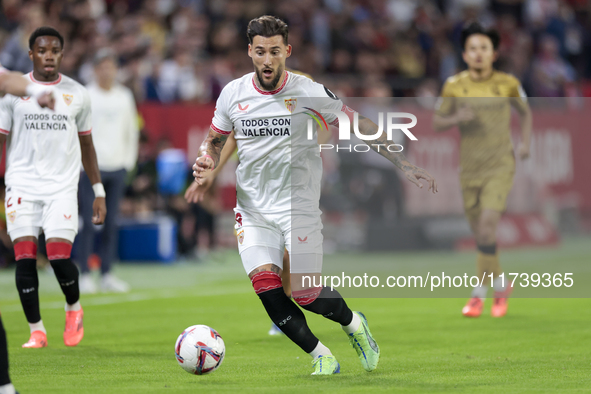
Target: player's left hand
{"x": 47, "y": 100}
{"x": 43, "y": 94}
{"x": 523, "y": 151}
{"x": 415, "y": 174}
{"x": 196, "y": 192}
{"x": 99, "y": 210}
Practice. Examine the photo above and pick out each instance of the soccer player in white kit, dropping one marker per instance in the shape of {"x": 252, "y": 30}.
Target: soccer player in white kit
{"x": 44, "y": 150}
{"x": 278, "y": 190}
{"x": 13, "y": 83}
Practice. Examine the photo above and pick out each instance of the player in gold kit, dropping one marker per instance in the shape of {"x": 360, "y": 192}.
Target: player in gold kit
{"x": 479, "y": 102}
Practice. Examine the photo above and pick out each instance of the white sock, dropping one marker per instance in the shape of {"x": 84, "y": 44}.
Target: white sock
{"x": 37, "y": 327}
{"x": 7, "y": 389}
{"x": 498, "y": 284}
{"x": 320, "y": 350}
{"x": 74, "y": 307}
{"x": 353, "y": 326}
{"x": 480, "y": 292}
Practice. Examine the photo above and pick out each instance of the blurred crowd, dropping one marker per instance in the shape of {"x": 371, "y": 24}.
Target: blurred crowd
{"x": 152, "y": 189}
{"x": 187, "y": 50}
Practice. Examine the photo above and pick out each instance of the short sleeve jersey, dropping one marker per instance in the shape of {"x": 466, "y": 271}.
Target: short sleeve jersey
{"x": 280, "y": 168}
{"x": 486, "y": 146}
{"x": 43, "y": 151}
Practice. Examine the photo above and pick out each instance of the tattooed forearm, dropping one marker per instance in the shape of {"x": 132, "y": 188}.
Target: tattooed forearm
{"x": 380, "y": 144}
{"x": 213, "y": 145}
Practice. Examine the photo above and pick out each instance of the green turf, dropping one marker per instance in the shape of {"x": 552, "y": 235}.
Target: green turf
{"x": 542, "y": 345}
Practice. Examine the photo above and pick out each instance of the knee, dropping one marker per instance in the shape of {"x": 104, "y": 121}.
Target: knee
{"x": 306, "y": 296}
{"x": 25, "y": 250}
{"x": 58, "y": 251}
{"x": 487, "y": 232}
{"x": 305, "y": 282}
{"x": 265, "y": 281}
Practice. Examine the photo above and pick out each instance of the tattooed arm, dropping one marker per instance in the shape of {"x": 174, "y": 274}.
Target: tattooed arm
{"x": 209, "y": 155}
{"x": 412, "y": 172}
{"x": 196, "y": 192}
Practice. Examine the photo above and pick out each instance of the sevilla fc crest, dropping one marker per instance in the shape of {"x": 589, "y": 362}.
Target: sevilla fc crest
{"x": 240, "y": 236}
{"x": 11, "y": 216}
{"x": 291, "y": 104}
{"x": 68, "y": 98}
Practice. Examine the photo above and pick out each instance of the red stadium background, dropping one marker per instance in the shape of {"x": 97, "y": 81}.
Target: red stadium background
{"x": 559, "y": 167}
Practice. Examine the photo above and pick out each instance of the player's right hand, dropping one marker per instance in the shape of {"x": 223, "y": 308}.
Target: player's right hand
{"x": 202, "y": 168}
{"x": 195, "y": 192}
{"x": 523, "y": 151}
{"x": 465, "y": 114}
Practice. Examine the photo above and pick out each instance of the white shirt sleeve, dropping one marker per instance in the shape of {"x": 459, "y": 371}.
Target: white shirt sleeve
{"x": 325, "y": 99}
{"x": 133, "y": 133}
{"x": 221, "y": 122}
{"x": 84, "y": 118}
{"x": 5, "y": 114}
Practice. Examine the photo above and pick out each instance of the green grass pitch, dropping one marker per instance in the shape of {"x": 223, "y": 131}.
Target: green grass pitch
{"x": 542, "y": 345}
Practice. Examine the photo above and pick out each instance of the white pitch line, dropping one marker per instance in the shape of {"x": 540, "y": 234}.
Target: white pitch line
{"x": 107, "y": 300}
{"x": 120, "y": 299}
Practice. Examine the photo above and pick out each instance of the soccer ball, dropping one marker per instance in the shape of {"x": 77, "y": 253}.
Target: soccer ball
{"x": 200, "y": 350}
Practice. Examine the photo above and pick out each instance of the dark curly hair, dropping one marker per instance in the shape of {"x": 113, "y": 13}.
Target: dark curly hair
{"x": 477, "y": 28}
{"x": 267, "y": 26}
{"x": 45, "y": 31}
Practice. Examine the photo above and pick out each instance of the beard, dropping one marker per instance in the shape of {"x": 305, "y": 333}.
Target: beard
{"x": 269, "y": 85}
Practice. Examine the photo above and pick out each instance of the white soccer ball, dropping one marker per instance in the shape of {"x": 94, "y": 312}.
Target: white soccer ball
{"x": 200, "y": 350}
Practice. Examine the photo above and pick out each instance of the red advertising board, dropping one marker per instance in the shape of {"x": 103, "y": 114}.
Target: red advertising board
{"x": 556, "y": 172}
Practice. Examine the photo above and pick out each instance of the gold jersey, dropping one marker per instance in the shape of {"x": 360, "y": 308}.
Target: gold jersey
{"x": 486, "y": 148}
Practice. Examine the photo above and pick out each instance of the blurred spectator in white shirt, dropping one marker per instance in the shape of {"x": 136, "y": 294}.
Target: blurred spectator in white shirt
{"x": 116, "y": 137}
{"x": 177, "y": 80}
